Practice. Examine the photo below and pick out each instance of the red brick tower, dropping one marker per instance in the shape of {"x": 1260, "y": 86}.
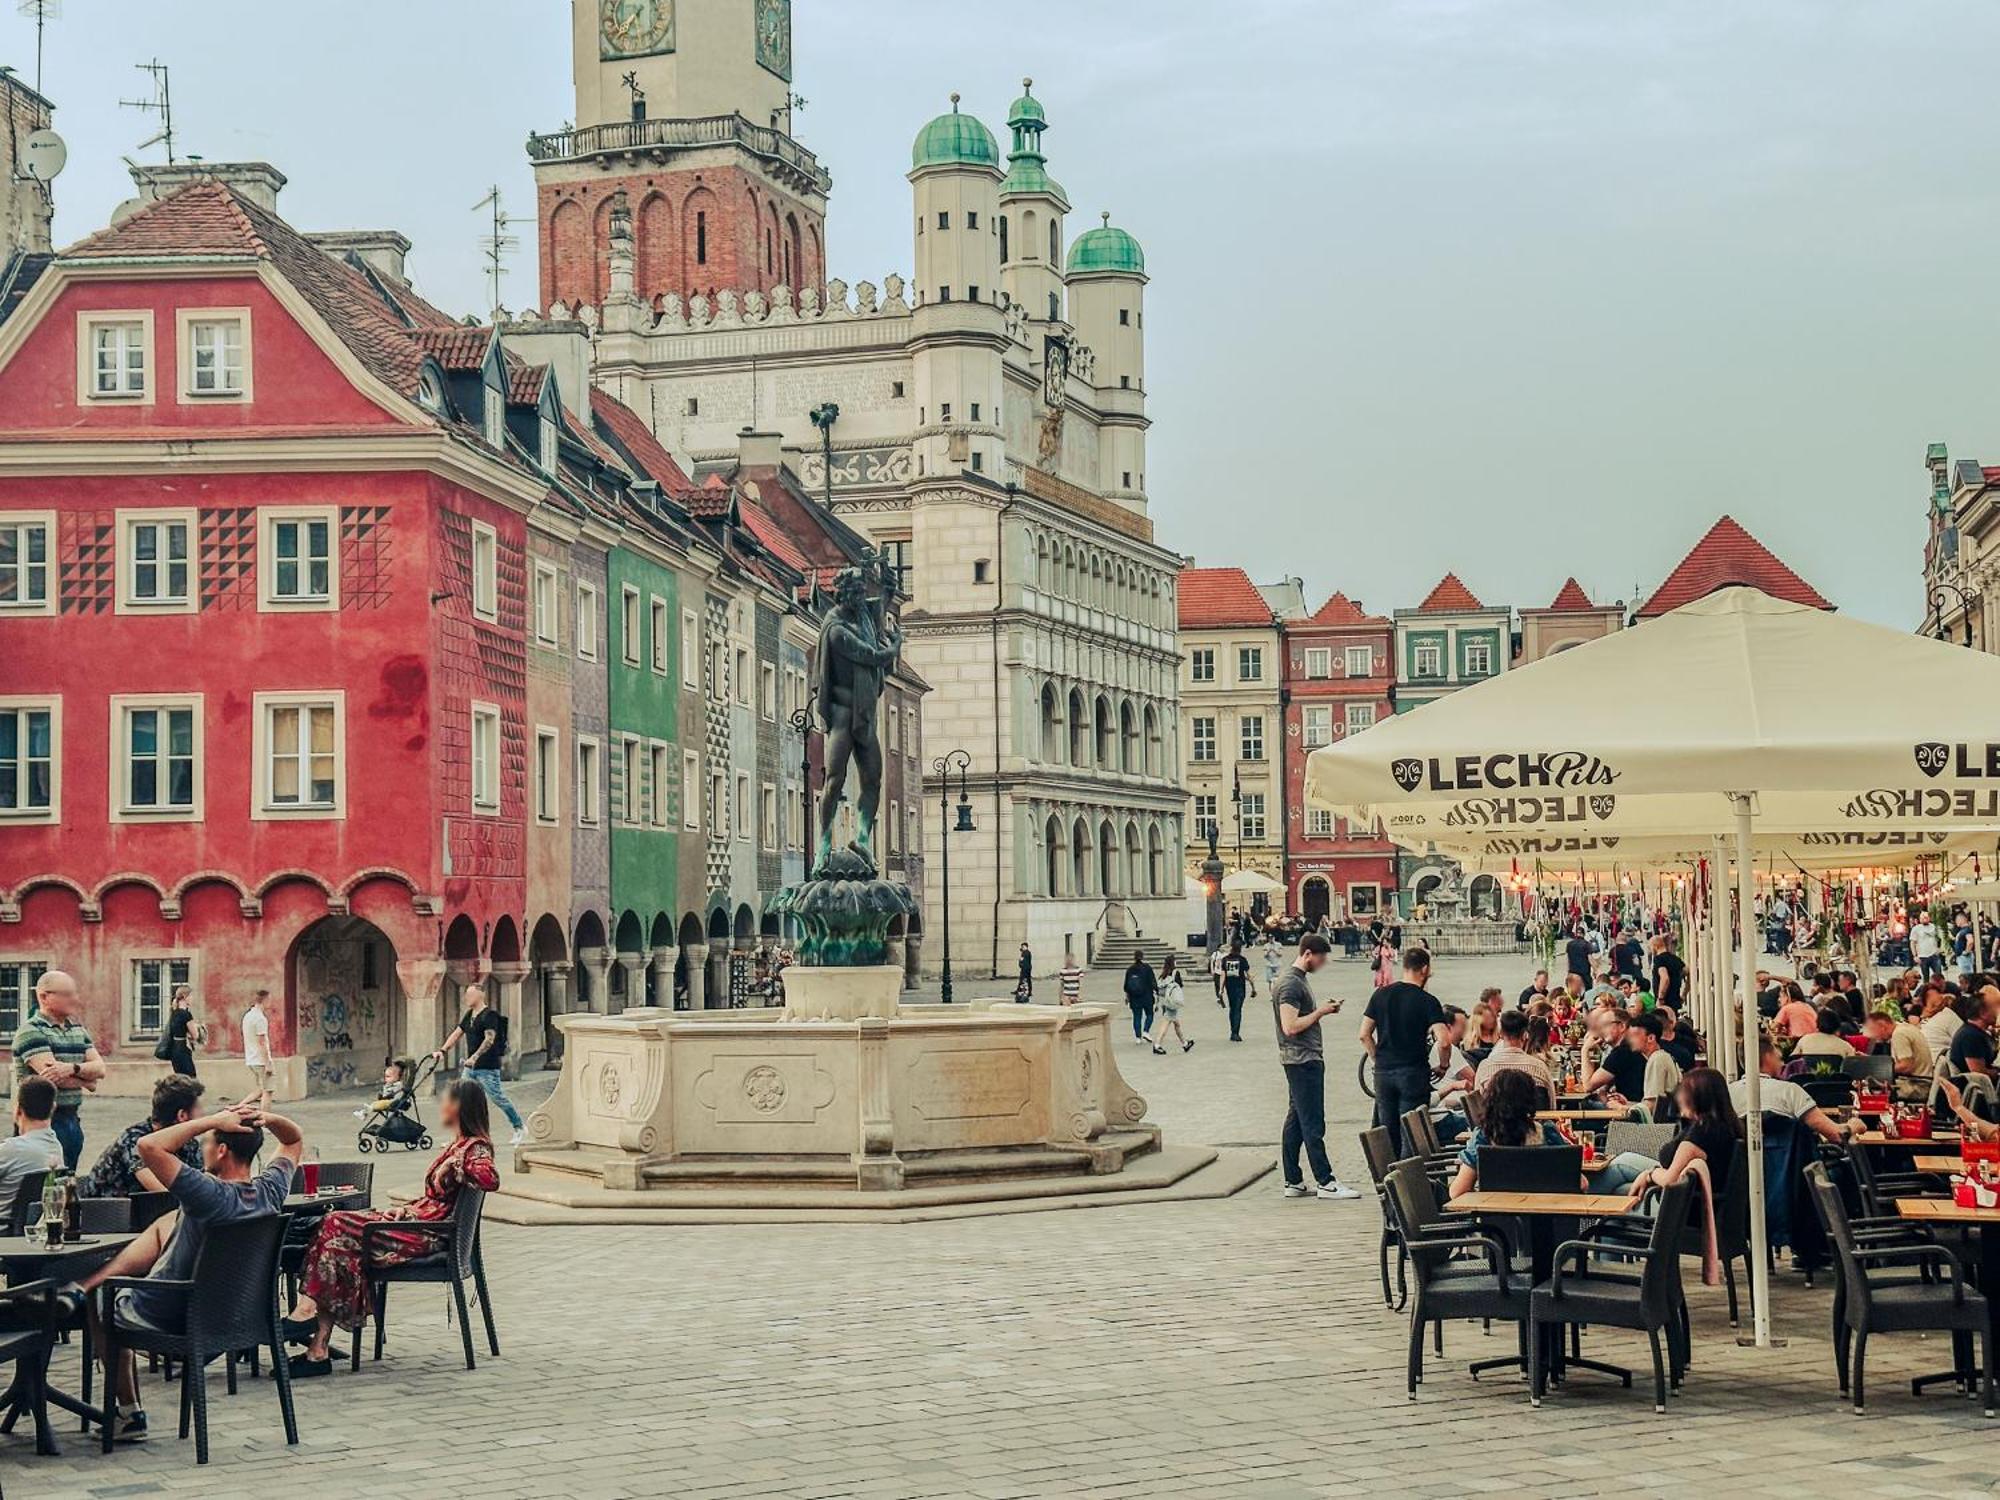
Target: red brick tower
{"x": 683, "y": 107}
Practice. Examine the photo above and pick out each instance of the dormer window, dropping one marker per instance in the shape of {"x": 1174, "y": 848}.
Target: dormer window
{"x": 430, "y": 392}
{"x": 550, "y": 445}
{"x": 496, "y": 417}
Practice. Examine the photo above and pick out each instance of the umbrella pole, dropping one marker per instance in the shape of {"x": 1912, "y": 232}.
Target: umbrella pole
{"x": 1753, "y": 1114}
{"x": 1722, "y": 1036}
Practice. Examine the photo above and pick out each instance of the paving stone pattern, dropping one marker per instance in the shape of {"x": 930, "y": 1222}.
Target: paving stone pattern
{"x": 1231, "y": 1348}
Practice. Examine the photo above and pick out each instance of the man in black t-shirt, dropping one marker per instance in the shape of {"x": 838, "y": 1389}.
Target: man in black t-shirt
{"x": 1619, "y": 1068}
{"x": 1669, "y": 974}
{"x": 484, "y": 1032}
{"x": 1628, "y": 956}
{"x": 1235, "y": 985}
{"x": 1404, "y": 1030}
{"x": 1577, "y": 951}
{"x": 1538, "y": 990}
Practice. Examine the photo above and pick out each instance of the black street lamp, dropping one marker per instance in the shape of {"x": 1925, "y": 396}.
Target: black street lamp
{"x": 942, "y": 768}
{"x": 1938, "y": 591}
{"x": 823, "y": 417}
{"x": 802, "y": 720}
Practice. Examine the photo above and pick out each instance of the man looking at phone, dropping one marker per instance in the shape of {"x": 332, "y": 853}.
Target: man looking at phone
{"x": 1303, "y": 1055}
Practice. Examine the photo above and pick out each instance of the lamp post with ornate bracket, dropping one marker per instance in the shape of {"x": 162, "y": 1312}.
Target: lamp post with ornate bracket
{"x": 1937, "y": 602}
{"x": 823, "y": 417}
{"x": 801, "y": 719}
{"x": 942, "y": 767}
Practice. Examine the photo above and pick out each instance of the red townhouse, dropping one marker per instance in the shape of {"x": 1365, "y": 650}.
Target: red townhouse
{"x": 261, "y": 640}
{"x": 1339, "y": 674}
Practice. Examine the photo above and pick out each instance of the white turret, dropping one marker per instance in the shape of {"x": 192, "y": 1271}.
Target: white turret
{"x": 1107, "y": 302}
{"x": 955, "y": 177}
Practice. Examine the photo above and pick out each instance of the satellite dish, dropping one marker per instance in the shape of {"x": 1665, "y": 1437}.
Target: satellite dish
{"x": 43, "y": 155}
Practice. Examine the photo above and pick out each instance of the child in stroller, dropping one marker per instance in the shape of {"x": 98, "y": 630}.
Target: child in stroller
{"x": 393, "y": 1119}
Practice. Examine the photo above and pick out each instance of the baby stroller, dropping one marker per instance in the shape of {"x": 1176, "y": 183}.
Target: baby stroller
{"x": 393, "y": 1119}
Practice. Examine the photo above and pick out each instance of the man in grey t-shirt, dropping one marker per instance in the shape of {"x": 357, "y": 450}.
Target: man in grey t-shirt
{"x": 1304, "y": 1058}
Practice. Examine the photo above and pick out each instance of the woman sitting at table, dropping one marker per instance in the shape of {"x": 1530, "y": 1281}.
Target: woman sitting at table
{"x": 1512, "y": 1096}
{"x": 1974, "y": 1127}
{"x": 1708, "y": 1131}
{"x": 336, "y": 1281}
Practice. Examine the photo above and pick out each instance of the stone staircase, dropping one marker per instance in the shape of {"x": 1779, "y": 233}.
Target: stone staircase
{"x": 1116, "y": 950}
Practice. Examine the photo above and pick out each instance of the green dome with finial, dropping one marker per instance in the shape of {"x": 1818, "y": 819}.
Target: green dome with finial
{"x": 1106, "y": 248}
{"x": 955, "y": 140}
{"x": 1026, "y": 110}
{"x": 1027, "y": 168}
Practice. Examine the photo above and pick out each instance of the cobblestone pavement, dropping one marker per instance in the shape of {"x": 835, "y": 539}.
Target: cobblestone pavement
{"x": 1233, "y": 1348}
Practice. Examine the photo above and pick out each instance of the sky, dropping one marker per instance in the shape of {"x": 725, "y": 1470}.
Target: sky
{"x": 1515, "y": 288}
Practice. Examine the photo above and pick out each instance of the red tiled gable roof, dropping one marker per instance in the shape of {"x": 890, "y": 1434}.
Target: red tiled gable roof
{"x": 1571, "y": 596}
{"x": 1217, "y": 597}
{"x": 630, "y": 432}
{"x": 1449, "y": 595}
{"x": 1341, "y": 610}
{"x": 1729, "y": 555}
{"x": 203, "y": 218}
{"x": 765, "y": 528}
{"x": 707, "y": 501}
{"x": 524, "y": 383}
{"x": 457, "y": 347}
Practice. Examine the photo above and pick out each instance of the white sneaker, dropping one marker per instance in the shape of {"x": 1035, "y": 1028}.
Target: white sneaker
{"x": 519, "y": 1136}
{"x": 1296, "y": 1190}
{"x": 1336, "y": 1190}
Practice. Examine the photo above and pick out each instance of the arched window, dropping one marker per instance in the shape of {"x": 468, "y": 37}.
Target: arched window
{"x": 1056, "y": 854}
{"x": 1130, "y": 751}
{"x": 1136, "y": 883}
{"x": 1029, "y": 227}
{"x": 1107, "y": 741}
{"x": 1110, "y": 879}
{"x": 1055, "y": 242}
{"x": 1055, "y": 307}
{"x": 1003, "y": 237}
{"x": 1082, "y": 866}
{"x": 1156, "y": 863}
{"x": 1079, "y": 730}
{"x": 1042, "y": 563}
{"x": 1152, "y": 741}
{"x": 1049, "y": 749}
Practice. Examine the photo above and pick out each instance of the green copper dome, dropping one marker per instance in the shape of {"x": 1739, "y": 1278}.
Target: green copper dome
{"x": 955, "y": 140}
{"x": 1026, "y": 110}
{"x": 1106, "y": 249}
{"x": 1027, "y": 168}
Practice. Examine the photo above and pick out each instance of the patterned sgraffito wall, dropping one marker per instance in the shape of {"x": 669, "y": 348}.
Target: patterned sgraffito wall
{"x": 483, "y": 661}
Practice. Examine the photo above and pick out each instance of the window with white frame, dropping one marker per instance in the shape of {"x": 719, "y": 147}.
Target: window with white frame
{"x": 891, "y": 720}
{"x": 1201, "y": 664}
{"x": 1202, "y": 727}
{"x": 656, "y": 777}
{"x": 1319, "y": 823}
{"x": 24, "y": 564}
{"x": 485, "y": 758}
{"x": 767, "y": 814}
{"x": 1429, "y": 659}
{"x": 1204, "y": 814}
{"x": 1363, "y": 899}
{"x": 589, "y": 782}
{"x": 215, "y": 352}
{"x": 485, "y": 570}
{"x": 1478, "y": 658}
{"x": 690, "y": 652}
{"x": 690, "y": 789}
{"x": 550, "y": 447}
{"x": 494, "y": 414}
{"x": 155, "y": 549}
{"x": 116, "y": 356}
{"x": 300, "y": 755}
{"x": 31, "y": 759}
{"x": 1360, "y": 661}
{"x": 586, "y": 622}
{"x": 893, "y": 827}
{"x": 1252, "y": 814}
{"x": 157, "y": 768}
{"x": 150, "y": 982}
{"x": 1249, "y": 663}
{"x": 658, "y": 616}
{"x": 910, "y": 732}
{"x": 767, "y": 697}
{"x": 913, "y": 841}
{"x": 17, "y": 989}
{"x": 548, "y": 774}
{"x": 1316, "y": 720}
{"x": 742, "y": 804}
{"x": 548, "y": 604}
{"x": 296, "y": 559}
{"x": 628, "y": 624}
{"x": 1360, "y": 716}
{"x": 629, "y": 803}
{"x": 1319, "y": 662}
{"x": 1251, "y": 736}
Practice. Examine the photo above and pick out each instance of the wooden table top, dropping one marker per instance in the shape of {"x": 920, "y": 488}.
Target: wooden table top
{"x": 1581, "y": 1114}
{"x": 1935, "y": 1138}
{"x": 1938, "y": 1163}
{"x": 1944, "y": 1211}
{"x": 1583, "y": 1205}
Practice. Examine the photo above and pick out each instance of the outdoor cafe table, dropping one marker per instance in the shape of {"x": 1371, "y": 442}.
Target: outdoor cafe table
{"x": 23, "y": 1259}
{"x": 1543, "y": 1212}
{"x": 326, "y": 1200}
{"x": 1604, "y": 1116}
{"x": 1944, "y": 1212}
{"x": 1891, "y": 1142}
{"x": 1938, "y": 1163}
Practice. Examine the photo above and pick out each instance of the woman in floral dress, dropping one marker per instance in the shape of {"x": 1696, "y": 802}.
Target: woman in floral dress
{"x": 336, "y": 1283}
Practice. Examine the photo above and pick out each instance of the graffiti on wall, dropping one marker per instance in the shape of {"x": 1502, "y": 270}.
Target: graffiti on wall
{"x": 343, "y": 1028}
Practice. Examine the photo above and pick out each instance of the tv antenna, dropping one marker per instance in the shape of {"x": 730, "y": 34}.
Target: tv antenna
{"x": 43, "y": 12}
{"x": 161, "y": 104}
{"x": 497, "y": 243}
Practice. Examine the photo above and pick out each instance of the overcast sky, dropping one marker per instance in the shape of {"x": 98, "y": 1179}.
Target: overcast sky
{"x": 1518, "y": 288}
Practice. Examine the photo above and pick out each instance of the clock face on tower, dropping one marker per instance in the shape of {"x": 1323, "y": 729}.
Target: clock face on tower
{"x": 634, "y": 28}
{"x": 774, "y": 36}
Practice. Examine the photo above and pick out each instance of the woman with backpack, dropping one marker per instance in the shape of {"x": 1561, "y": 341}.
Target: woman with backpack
{"x": 1171, "y": 992}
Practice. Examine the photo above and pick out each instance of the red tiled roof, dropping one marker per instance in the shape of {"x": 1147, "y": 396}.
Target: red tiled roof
{"x": 1449, "y": 595}
{"x": 630, "y": 432}
{"x": 456, "y": 348}
{"x": 203, "y": 218}
{"x": 766, "y": 529}
{"x": 707, "y": 501}
{"x": 1341, "y": 610}
{"x": 1215, "y": 597}
{"x": 1571, "y": 596}
{"x": 524, "y": 383}
{"x": 1729, "y": 555}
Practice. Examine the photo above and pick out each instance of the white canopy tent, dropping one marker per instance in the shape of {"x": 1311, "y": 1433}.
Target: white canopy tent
{"x": 1736, "y": 732}
{"x": 1251, "y": 883}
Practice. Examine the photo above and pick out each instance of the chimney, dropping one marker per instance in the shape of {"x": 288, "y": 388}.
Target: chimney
{"x": 564, "y": 346}
{"x": 258, "y": 181}
{"x": 760, "y": 450}
{"x": 382, "y": 250}
{"x": 27, "y": 202}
